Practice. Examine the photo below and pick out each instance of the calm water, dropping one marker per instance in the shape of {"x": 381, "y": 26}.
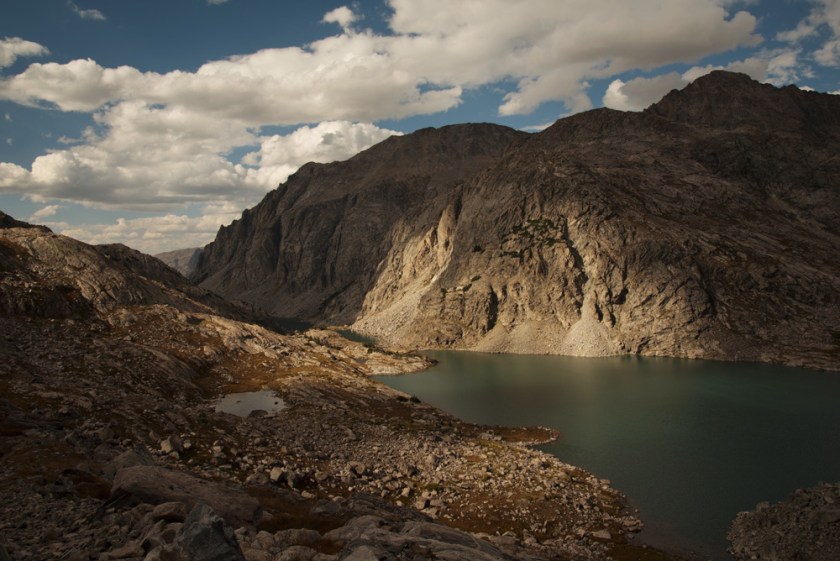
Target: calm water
{"x": 690, "y": 442}
{"x": 245, "y": 403}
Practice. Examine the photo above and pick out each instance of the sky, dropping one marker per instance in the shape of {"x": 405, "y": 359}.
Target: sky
{"x": 153, "y": 122}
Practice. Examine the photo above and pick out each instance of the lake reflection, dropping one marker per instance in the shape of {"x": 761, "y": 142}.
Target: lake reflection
{"x": 690, "y": 442}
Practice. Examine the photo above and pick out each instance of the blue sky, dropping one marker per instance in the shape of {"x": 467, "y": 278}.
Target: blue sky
{"x": 151, "y": 123}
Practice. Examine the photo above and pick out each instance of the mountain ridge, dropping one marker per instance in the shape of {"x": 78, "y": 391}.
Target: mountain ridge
{"x": 702, "y": 227}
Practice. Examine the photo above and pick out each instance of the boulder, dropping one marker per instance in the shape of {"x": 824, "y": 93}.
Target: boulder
{"x": 157, "y": 485}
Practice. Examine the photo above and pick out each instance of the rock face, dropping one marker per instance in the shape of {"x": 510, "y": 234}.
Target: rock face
{"x": 314, "y": 248}
{"x": 182, "y": 260}
{"x": 704, "y": 226}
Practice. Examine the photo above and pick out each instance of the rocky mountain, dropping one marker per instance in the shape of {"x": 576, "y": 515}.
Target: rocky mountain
{"x": 314, "y": 247}
{"x": 182, "y": 260}
{"x": 113, "y": 444}
{"x": 704, "y": 226}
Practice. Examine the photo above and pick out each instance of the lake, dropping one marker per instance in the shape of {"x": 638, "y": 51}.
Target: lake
{"x": 691, "y": 443}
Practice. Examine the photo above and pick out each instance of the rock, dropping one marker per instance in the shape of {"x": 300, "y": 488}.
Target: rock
{"x": 171, "y": 444}
{"x": 158, "y": 485}
{"x": 276, "y": 474}
{"x": 297, "y": 553}
{"x": 129, "y": 550}
{"x": 257, "y": 555}
{"x": 363, "y": 553}
{"x": 298, "y": 536}
{"x": 206, "y": 537}
{"x": 137, "y": 456}
{"x": 602, "y": 535}
{"x": 805, "y": 526}
{"x": 160, "y": 535}
{"x": 170, "y": 512}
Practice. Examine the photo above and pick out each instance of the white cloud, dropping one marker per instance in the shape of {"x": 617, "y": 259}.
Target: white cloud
{"x": 164, "y": 158}
{"x": 216, "y": 2}
{"x": 342, "y": 15}
{"x": 12, "y": 48}
{"x": 94, "y": 15}
{"x": 438, "y": 48}
{"x": 158, "y": 233}
{"x": 638, "y": 93}
{"x": 823, "y": 21}
{"x": 280, "y": 156}
{"x": 45, "y": 212}
{"x": 537, "y": 128}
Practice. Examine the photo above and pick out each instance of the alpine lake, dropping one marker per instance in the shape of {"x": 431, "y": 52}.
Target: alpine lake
{"x": 690, "y": 442}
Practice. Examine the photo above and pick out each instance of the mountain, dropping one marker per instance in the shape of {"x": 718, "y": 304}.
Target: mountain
{"x": 705, "y": 226}
{"x": 182, "y": 260}
{"x": 114, "y": 445}
{"x": 313, "y": 247}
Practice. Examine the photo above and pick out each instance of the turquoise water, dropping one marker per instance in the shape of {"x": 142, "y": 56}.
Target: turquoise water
{"x": 691, "y": 443}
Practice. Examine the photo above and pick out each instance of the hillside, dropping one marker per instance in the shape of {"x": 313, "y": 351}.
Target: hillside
{"x": 113, "y": 444}
{"x": 706, "y": 226}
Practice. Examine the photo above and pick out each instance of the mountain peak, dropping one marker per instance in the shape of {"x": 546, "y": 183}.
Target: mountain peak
{"x": 731, "y": 100}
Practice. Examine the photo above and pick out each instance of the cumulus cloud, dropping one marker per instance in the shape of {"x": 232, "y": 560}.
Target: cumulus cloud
{"x": 279, "y": 156}
{"x": 45, "y": 212}
{"x": 12, "y": 48}
{"x": 435, "y": 51}
{"x": 342, "y": 15}
{"x": 638, "y": 93}
{"x": 154, "y": 158}
{"x": 824, "y": 22}
{"x": 94, "y": 15}
{"x": 156, "y": 234}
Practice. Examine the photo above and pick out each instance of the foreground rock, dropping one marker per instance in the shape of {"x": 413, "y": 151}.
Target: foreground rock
{"x": 705, "y": 226}
{"x": 804, "y": 527}
{"x": 111, "y": 439}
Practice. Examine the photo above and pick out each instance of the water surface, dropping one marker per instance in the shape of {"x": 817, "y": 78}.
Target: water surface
{"x": 690, "y": 442}
{"x": 244, "y": 404}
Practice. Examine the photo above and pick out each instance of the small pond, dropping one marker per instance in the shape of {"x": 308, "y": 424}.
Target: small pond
{"x": 246, "y": 404}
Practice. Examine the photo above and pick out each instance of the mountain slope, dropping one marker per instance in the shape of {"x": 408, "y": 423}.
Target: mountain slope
{"x": 182, "y": 260}
{"x": 313, "y": 247}
{"x": 705, "y": 226}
